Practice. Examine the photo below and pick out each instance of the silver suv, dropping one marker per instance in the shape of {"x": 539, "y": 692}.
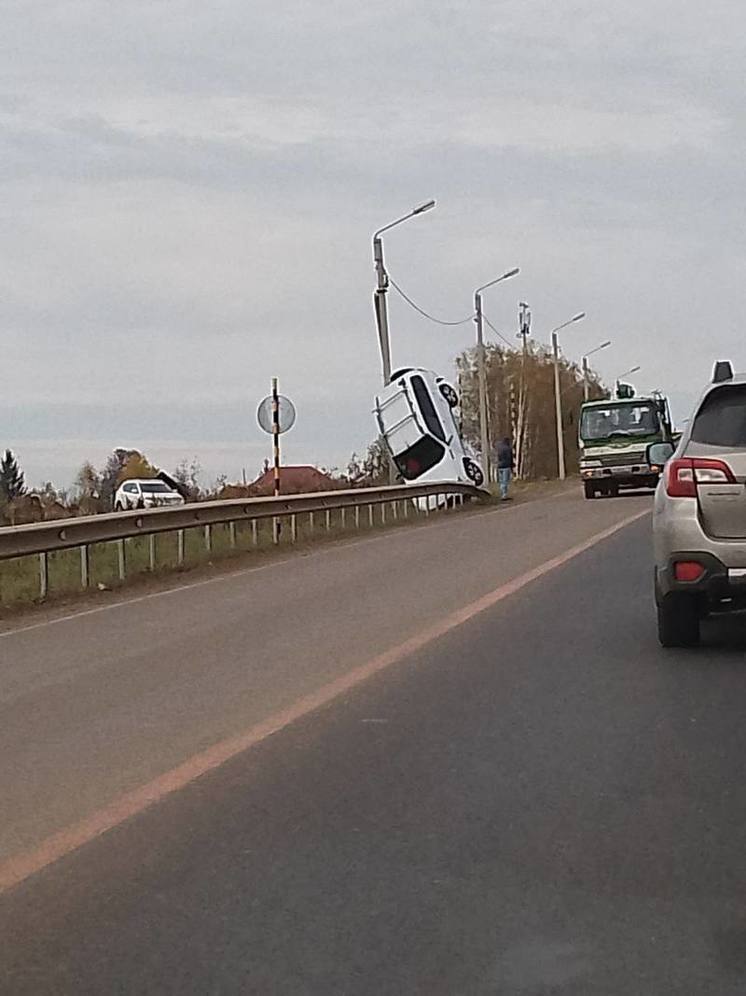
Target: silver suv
{"x": 699, "y": 518}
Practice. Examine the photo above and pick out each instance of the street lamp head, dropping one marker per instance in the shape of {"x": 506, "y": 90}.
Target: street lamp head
{"x": 424, "y": 207}
{"x": 577, "y": 317}
{"x": 605, "y": 344}
{"x": 510, "y": 273}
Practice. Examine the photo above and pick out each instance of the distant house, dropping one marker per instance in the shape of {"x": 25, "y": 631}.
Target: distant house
{"x": 293, "y": 481}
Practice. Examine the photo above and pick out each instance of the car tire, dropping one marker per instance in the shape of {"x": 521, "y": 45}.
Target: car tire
{"x": 589, "y": 490}
{"x": 119, "y": 507}
{"x": 449, "y": 393}
{"x": 474, "y": 473}
{"x": 678, "y": 620}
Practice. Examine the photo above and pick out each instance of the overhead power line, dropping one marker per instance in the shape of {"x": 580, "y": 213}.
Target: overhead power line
{"x": 497, "y": 332}
{"x": 421, "y": 311}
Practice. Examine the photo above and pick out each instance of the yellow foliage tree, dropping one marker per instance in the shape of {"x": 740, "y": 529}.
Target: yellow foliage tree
{"x": 136, "y": 465}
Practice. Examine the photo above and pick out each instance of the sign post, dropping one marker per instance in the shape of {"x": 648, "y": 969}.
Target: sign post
{"x": 275, "y": 415}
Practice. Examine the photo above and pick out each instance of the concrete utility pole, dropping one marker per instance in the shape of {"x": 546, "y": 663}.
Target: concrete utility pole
{"x": 382, "y": 286}
{"x": 558, "y": 396}
{"x": 587, "y": 370}
{"x": 482, "y": 371}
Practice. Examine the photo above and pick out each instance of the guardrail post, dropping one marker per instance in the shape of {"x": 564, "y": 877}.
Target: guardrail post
{"x": 328, "y": 519}
{"x": 406, "y": 508}
{"x": 180, "y": 547}
{"x": 383, "y": 513}
{"x": 84, "y": 572}
{"x": 121, "y": 560}
{"x": 370, "y": 516}
{"x": 427, "y": 505}
{"x": 357, "y": 517}
{"x": 43, "y": 576}
{"x": 310, "y": 523}
{"x": 254, "y": 533}
{"x": 151, "y": 552}
{"x": 208, "y": 537}
{"x": 394, "y": 511}
{"x": 293, "y": 529}
{"x": 275, "y": 530}
{"x": 232, "y": 534}
{"x": 342, "y": 517}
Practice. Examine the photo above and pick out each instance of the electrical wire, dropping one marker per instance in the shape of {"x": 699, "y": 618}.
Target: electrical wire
{"x": 508, "y": 343}
{"x": 432, "y": 318}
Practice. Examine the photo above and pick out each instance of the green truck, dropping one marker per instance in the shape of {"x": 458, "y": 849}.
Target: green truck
{"x": 614, "y": 435}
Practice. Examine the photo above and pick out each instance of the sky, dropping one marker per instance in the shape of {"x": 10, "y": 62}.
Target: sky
{"x": 189, "y": 192}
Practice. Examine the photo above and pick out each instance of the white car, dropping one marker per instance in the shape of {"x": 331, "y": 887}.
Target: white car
{"x": 145, "y": 493}
{"x": 415, "y": 418}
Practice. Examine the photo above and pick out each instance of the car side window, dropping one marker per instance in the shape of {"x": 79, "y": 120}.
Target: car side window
{"x": 433, "y": 423}
{"x": 721, "y": 421}
{"x": 131, "y": 488}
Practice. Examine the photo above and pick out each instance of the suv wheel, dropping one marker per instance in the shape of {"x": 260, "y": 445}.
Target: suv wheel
{"x": 119, "y": 507}
{"x": 678, "y": 620}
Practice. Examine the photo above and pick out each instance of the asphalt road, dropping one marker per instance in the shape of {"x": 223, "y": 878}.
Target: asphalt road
{"x": 541, "y": 801}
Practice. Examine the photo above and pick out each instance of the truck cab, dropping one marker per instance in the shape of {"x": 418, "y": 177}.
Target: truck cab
{"x": 614, "y": 435}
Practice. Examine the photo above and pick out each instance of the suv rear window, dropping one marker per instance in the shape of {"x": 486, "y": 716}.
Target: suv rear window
{"x": 721, "y": 421}
{"x": 418, "y": 459}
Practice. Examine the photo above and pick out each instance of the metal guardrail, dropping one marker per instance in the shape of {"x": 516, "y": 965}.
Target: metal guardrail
{"x": 43, "y": 538}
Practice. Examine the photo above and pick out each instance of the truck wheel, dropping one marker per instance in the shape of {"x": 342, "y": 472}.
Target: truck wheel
{"x": 678, "y": 620}
{"x": 588, "y": 489}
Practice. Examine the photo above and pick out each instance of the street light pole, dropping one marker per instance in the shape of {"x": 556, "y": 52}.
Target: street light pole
{"x": 625, "y": 374}
{"x": 382, "y": 285}
{"x": 482, "y": 371}
{"x": 558, "y": 396}
{"x": 586, "y": 368}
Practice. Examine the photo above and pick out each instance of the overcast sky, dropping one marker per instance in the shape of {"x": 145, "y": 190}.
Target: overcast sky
{"x": 189, "y": 191}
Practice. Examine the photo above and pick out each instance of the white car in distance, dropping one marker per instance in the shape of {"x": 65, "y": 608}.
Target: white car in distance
{"x": 145, "y": 493}
{"x": 415, "y": 417}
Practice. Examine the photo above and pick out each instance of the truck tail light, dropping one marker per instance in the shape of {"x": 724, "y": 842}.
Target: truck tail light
{"x": 683, "y": 475}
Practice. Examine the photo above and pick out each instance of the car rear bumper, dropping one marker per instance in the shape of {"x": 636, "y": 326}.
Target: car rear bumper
{"x": 719, "y": 587}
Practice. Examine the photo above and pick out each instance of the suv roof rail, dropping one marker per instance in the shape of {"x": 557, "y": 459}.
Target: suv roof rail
{"x": 723, "y": 371}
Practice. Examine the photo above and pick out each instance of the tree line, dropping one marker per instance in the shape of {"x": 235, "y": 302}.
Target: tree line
{"x": 521, "y": 405}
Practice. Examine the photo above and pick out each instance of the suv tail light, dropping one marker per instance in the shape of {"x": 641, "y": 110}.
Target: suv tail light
{"x": 683, "y": 475}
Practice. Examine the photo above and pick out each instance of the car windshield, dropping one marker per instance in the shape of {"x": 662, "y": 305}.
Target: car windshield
{"x": 155, "y": 487}
{"x": 639, "y": 419}
{"x": 418, "y": 459}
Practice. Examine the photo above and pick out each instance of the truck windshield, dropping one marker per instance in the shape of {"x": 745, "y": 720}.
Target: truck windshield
{"x": 639, "y": 419}
{"x": 418, "y": 459}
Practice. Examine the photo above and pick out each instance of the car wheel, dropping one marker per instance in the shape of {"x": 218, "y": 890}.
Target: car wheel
{"x": 119, "y": 507}
{"x": 678, "y": 620}
{"x": 589, "y": 490}
{"x": 474, "y": 473}
{"x": 449, "y": 393}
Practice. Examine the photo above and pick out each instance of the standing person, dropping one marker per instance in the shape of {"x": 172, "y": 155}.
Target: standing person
{"x": 504, "y": 466}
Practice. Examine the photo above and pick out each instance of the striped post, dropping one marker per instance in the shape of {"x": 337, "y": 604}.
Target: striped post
{"x": 276, "y": 452}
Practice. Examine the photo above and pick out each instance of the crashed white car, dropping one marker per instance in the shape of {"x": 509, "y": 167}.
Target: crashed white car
{"x": 415, "y": 418}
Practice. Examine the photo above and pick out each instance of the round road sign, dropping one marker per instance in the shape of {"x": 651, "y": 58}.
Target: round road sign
{"x": 286, "y": 413}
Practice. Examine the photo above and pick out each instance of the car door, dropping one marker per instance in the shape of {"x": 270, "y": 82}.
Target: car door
{"x": 718, "y": 439}
{"x": 131, "y": 494}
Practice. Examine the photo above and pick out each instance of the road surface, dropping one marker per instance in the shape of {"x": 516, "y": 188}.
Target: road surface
{"x": 534, "y": 799}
